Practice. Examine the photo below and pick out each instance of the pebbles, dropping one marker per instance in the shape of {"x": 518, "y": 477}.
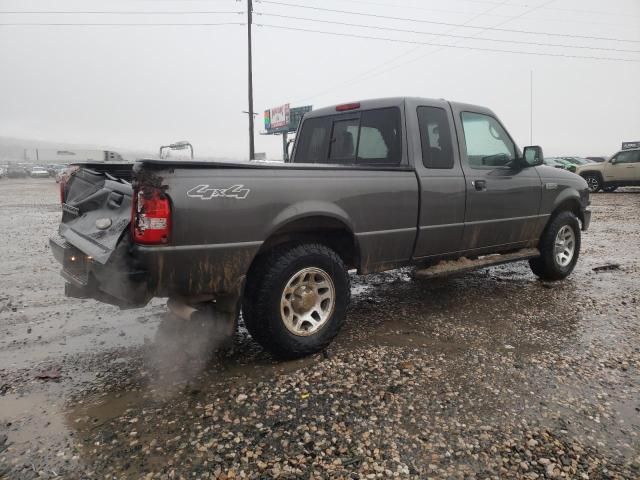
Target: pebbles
{"x": 489, "y": 375}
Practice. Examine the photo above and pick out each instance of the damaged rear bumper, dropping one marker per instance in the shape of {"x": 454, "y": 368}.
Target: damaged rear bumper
{"x": 115, "y": 283}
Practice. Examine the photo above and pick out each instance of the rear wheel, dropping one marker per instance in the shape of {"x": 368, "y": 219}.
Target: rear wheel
{"x": 296, "y": 299}
{"x": 559, "y": 248}
{"x": 593, "y": 181}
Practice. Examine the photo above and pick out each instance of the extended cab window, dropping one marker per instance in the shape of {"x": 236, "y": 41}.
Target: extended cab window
{"x": 380, "y": 137}
{"x": 488, "y": 144}
{"x": 371, "y": 137}
{"x": 435, "y": 137}
{"x": 314, "y": 141}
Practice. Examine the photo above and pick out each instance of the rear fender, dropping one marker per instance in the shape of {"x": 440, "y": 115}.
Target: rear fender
{"x": 307, "y": 209}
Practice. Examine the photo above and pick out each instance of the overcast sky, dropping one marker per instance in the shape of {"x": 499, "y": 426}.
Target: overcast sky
{"x": 141, "y": 86}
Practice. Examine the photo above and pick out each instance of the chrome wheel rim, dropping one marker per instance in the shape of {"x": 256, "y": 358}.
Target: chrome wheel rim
{"x": 565, "y": 246}
{"x": 593, "y": 184}
{"x": 308, "y": 301}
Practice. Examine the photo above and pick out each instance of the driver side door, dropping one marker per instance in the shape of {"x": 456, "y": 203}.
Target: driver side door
{"x": 503, "y": 199}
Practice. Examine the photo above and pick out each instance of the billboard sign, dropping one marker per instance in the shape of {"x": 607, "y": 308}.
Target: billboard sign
{"x": 628, "y": 145}
{"x": 295, "y": 116}
{"x": 280, "y": 117}
{"x": 284, "y": 119}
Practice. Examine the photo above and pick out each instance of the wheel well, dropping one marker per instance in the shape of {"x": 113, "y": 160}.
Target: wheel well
{"x": 317, "y": 229}
{"x": 592, "y": 174}
{"x": 569, "y": 205}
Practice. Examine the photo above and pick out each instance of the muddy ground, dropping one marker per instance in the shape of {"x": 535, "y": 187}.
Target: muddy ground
{"x": 492, "y": 374}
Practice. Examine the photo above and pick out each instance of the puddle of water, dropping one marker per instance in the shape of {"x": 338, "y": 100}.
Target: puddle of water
{"x": 32, "y": 420}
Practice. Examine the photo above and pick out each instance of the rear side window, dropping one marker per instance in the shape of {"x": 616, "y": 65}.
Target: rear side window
{"x": 435, "y": 137}
{"x": 380, "y": 140}
{"x": 372, "y": 137}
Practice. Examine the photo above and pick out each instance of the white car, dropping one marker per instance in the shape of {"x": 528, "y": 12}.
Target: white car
{"x": 38, "y": 172}
{"x": 623, "y": 169}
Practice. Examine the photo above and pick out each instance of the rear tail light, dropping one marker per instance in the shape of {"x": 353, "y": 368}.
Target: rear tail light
{"x": 151, "y": 217}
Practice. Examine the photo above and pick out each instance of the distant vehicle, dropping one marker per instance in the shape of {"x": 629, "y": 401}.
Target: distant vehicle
{"x": 577, "y": 161}
{"x": 39, "y": 172}
{"x": 559, "y": 163}
{"x": 623, "y": 169}
{"x": 53, "y": 168}
{"x": 16, "y": 171}
{"x": 574, "y": 162}
{"x": 2, "y": 172}
{"x": 597, "y": 159}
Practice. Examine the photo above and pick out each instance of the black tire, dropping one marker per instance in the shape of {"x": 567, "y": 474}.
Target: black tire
{"x": 266, "y": 282}
{"x": 594, "y": 182}
{"x": 546, "y": 266}
{"x": 610, "y": 189}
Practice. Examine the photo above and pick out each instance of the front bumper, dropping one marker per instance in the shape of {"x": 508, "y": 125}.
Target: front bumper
{"x": 115, "y": 283}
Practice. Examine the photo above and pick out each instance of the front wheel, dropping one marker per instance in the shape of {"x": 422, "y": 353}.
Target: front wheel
{"x": 593, "y": 182}
{"x": 559, "y": 248}
{"x": 296, "y": 299}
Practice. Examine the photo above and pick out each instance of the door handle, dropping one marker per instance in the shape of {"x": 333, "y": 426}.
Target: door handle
{"x": 480, "y": 185}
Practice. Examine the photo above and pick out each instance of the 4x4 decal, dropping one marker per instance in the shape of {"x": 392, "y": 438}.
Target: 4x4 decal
{"x": 206, "y": 192}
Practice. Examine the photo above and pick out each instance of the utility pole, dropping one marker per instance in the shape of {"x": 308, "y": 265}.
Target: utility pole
{"x": 530, "y": 107}
{"x": 252, "y": 150}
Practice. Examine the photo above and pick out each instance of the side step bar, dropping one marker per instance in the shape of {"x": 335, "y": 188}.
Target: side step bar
{"x": 463, "y": 264}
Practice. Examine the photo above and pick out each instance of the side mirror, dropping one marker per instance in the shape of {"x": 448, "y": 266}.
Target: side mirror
{"x": 532, "y": 156}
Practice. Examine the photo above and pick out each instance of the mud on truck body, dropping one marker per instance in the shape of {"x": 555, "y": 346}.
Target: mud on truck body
{"x": 371, "y": 186}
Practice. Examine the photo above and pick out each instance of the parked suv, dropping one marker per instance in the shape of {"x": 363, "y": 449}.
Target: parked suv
{"x": 623, "y": 169}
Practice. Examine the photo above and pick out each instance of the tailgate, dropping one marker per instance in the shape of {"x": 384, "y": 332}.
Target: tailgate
{"x": 96, "y": 211}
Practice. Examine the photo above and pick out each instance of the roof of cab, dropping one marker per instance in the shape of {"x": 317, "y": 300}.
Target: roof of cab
{"x": 375, "y": 103}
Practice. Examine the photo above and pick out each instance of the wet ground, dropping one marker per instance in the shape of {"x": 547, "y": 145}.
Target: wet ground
{"x": 492, "y": 374}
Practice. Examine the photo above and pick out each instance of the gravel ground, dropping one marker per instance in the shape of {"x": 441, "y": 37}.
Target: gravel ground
{"x": 493, "y": 374}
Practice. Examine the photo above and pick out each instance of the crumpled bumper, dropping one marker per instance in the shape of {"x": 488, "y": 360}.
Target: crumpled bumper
{"x": 116, "y": 282}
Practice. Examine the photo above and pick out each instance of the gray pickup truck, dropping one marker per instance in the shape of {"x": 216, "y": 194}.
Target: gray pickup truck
{"x": 371, "y": 186}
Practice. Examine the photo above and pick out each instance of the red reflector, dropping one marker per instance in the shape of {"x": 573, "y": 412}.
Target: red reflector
{"x": 151, "y": 217}
{"x": 347, "y": 106}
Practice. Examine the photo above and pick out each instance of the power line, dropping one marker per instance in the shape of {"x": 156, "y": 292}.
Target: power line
{"x": 515, "y": 5}
{"x": 389, "y": 63}
{"x": 119, "y": 12}
{"x": 433, "y": 22}
{"x": 414, "y": 42}
{"x": 464, "y": 37}
{"x": 119, "y": 24}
